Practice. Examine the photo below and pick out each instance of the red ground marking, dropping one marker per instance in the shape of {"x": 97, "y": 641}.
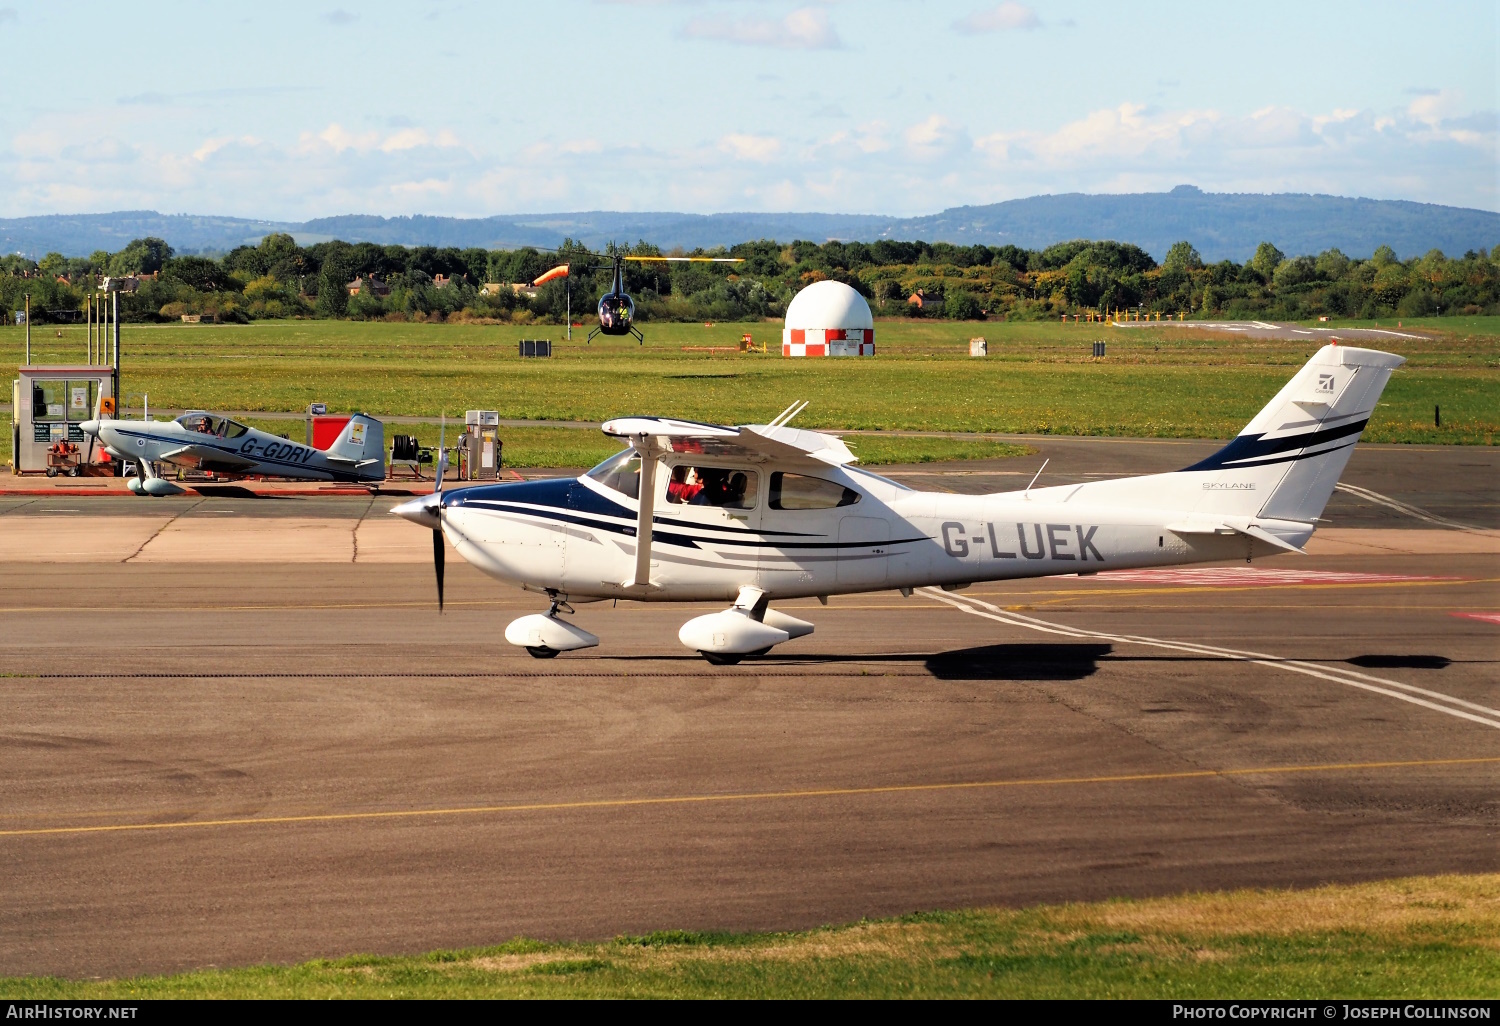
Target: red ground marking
{"x": 1242, "y": 576}
{"x": 1486, "y": 617}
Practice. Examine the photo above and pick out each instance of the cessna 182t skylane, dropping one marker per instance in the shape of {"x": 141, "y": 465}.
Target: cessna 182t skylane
{"x": 694, "y": 512}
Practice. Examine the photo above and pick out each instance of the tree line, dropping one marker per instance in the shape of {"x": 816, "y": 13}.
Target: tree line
{"x": 278, "y": 278}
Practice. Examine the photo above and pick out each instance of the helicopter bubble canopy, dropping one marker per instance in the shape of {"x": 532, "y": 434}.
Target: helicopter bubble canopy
{"x": 616, "y": 309}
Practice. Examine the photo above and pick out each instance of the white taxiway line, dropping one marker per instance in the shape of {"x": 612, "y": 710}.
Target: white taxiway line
{"x": 1402, "y": 507}
{"x": 1365, "y": 682}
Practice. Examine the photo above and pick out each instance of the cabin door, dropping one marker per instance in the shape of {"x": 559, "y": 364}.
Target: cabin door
{"x": 863, "y": 558}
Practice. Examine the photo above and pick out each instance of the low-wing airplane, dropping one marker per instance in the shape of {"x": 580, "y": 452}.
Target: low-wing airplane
{"x": 694, "y": 512}
{"x": 206, "y": 441}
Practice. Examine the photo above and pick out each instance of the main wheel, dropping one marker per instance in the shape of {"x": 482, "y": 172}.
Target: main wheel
{"x": 722, "y": 658}
{"x": 541, "y": 652}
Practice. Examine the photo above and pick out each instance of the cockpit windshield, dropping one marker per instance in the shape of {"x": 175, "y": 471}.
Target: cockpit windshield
{"x": 208, "y": 424}
{"x": 621, "y": 472}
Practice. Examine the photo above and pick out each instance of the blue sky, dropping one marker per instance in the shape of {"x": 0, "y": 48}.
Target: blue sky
{"x": 290, "y": 111}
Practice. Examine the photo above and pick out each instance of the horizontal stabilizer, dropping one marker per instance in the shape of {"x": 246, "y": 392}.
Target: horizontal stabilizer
{"x": 1262, "y": 534}
{"x": 1220, "y": 528}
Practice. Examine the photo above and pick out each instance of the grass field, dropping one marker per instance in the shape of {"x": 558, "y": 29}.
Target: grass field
{"x": 1039, "y": 378}
{"x": 573, "y": 447}
{"x": 1436, "y": 937}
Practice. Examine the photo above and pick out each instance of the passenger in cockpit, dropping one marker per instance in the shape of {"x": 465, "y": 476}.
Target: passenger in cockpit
{"x": 735, "y": 494}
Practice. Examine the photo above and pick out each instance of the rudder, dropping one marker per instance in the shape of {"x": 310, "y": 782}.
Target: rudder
{"x": 362, "y": 441}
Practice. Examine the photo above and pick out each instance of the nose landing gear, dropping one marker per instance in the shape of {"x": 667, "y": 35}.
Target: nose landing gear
{"x": 544, "y": 635}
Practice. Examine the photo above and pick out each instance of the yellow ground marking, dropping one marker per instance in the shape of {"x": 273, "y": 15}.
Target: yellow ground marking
{"x": 705, "y": 799}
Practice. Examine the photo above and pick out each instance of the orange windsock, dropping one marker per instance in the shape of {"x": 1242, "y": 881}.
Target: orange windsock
{"x": 556, "y": 272}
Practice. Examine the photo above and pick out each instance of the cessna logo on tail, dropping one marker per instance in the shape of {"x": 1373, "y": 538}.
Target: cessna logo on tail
{"x": 1325, "y": 382}
{"x": 1060, "y": 541}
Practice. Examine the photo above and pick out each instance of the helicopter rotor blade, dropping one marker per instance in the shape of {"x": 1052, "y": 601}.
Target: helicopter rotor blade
{"x": 687, "y": 260}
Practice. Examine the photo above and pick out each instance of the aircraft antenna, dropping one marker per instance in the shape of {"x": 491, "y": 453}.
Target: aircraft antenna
{"x": 1037, "y": 475}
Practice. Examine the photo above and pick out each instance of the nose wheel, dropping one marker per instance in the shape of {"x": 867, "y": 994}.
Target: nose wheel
{"x": 544, "y": 635}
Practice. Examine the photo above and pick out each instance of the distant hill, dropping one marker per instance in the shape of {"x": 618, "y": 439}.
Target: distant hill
{"x": 1221, "y": 225}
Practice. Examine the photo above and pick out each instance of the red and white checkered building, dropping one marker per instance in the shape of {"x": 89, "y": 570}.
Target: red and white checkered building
{"x": 828, "y": 318}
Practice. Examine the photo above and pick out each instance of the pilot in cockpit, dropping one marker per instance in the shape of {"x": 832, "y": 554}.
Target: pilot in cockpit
{"x": 685, "y": 485}
{"x": 204, "y": 425}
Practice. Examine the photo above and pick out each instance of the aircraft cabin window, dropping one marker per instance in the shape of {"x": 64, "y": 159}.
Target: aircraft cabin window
{"x": 621, "y": 472}
{"x": 724, "y": 487}
{"x": 234, "y": 430}
{"x": 795, "y": 491}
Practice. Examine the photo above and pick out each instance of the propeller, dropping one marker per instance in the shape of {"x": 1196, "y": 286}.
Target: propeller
{"x": 438, "y": 553}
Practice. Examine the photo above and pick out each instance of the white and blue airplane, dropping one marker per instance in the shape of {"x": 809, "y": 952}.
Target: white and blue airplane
{"x": 692, "y": 512}
{"x": 205, "y": 441}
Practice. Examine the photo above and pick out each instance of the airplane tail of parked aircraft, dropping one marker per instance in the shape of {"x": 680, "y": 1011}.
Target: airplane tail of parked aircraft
{"x": 361, "y": 443}
{"x": 1285, "y": 463}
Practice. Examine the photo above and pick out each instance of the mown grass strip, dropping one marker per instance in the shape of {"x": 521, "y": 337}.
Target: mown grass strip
{"x": 1156, "y": 382}
{"x": 1422, "y": 937}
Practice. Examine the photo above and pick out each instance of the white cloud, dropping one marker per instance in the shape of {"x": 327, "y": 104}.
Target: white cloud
{"x": 212, "y": 146}
{"x": 1432, "y": 107}
{"x": 428, "y": 187}
{"x": 759, "y": 148}
{"x": 806, "y": 28}
{"x": 411, "y": 138}
{"x": 108, "y": 158}
{"x": 339, "y": 139}
{"x": 1008, "y": 17}
{"x": 933, "y": 137}
{"x": 1132, "y": 147}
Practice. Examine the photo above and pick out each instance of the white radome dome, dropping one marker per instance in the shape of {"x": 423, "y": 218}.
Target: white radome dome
{"x": 828, "y": 304}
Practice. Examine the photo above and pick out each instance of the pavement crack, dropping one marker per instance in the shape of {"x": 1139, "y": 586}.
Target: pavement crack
{"x": 12, "y": 509}
{"x": 358, "y": 524}
{"x": 157, "y": 533}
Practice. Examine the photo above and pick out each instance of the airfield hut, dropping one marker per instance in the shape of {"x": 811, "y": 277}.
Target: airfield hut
{"x": 828, "y": 318}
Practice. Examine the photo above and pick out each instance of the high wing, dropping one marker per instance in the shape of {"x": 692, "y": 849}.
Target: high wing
{"x": 207, "y": 457}
{"x": 750, "y": 441}
{"x": 655, "y": 436}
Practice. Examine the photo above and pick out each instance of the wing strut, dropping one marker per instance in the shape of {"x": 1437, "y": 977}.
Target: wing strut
{"x": 642, "y": 445}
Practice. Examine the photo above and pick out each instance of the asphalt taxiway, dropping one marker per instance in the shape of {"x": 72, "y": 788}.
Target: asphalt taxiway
{"x": 225, "y": 751}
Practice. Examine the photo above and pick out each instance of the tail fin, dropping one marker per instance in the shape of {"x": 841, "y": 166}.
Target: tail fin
{"x": 363, "y": 442}
{"x": 1286, "y": 462}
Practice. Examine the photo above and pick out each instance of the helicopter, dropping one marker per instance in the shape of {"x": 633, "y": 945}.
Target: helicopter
{"x": 616, "y": 308}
